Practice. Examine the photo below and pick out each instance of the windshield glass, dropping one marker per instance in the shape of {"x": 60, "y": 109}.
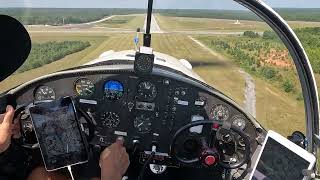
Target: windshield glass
{"x": 229, "y": 47}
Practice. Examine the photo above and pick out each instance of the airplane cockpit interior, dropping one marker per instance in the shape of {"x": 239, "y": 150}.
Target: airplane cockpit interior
{"x": 181, "y": 117}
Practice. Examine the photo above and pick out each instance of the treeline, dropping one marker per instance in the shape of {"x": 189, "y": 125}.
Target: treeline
{"x": 53, "y": 16}
{"x": 59, "y": 16}
{"x": 310, "y": 38}
{"x": 289, "y": 14}
{"x": 248, "y": 49}
{"x": 48, "y": 52}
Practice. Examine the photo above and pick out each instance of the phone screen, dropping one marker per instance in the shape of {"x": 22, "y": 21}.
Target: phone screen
{"x": 58, "y": 132}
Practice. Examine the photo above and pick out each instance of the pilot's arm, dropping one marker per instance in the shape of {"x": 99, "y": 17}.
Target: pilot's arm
{"x": 8, "y": 129}
{"x": 114, "y": 161}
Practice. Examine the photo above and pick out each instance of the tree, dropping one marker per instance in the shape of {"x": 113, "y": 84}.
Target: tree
{"x": 251, "y": 34}
{"x": 269, "y": 35}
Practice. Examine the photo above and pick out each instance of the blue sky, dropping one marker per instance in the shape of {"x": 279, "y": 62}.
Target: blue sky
{"x": 181, "y": 4}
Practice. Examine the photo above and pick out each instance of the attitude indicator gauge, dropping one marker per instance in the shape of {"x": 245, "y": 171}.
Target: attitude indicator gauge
{"x": 84, "y": 87}
{"x": 113, "y": 90}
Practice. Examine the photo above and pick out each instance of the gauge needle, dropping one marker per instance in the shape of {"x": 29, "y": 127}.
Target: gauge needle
{"x": 140, "y": 124}
{"x": 43, "y": 91}
{"x": 88, "y": 90}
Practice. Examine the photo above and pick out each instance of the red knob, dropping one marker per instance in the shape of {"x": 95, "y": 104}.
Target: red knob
{"x": 210, "y": 160}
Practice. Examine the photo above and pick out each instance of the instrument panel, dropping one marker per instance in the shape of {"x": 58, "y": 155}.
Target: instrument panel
{"x": 145, "y": 109}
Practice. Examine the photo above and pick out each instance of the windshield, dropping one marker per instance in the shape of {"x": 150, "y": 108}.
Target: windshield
{"x": 229, "y": 47}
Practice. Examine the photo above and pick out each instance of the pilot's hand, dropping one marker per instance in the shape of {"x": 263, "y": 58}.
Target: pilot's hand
{"x": 8, "y": 129}
{"x": 114, "y": 161}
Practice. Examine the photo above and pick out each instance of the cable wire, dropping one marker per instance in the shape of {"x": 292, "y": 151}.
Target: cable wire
{"x": 145, "y": 166}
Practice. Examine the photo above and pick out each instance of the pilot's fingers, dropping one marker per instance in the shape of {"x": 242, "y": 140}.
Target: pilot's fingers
{"x": 16, "y": 133}
{"x": 125, "y": 162}
{"x": 120, "y": 140}
{"x": 105, "y": 153}
{"x": 8, "y": 116}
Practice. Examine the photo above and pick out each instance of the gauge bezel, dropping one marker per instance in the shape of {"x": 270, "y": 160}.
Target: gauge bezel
{"x": 75, "y": 90}
{"x": 103, "y": 118}
{"x": 143, "y": 98}
{"x": 104, "y": 90}
{"x": 239, "y": 117}
{"x": 211, "y": 115}
{"x": 145, "y": 117}
{"x": 38, "y": 87}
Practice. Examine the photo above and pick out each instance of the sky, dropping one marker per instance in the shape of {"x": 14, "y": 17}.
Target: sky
{"x": 161, "y": 4}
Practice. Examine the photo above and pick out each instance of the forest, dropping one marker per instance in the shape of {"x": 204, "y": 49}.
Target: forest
{"x": 45, "y": 53}
{"x": 289, "y": 14}
{"x": 62, "y": 16}
{"x": 59, "y": 16}
{"x": 266, "y": 56}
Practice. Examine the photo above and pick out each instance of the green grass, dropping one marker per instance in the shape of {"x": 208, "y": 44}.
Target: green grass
{"x": 131, "y": 22}
{"x": 169, "y": 23}
{"x": 45, "y": 53}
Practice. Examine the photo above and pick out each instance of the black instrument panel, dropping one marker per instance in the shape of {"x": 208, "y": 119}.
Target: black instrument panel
{"x": 148, "y": 109}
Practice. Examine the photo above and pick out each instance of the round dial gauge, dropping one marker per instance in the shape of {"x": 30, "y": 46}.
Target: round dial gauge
{"x": 142, "y": 124}
{"x": 43, "y": 93}
{"x": 84, "y": 87}
{"x": 144, "y": 63}
{"x": 113, "y": 90}
{"x": 110, "y": 119}
{"x": 219, "y": 112}
{"x": 147, "y": 91}
{"x": 239, "y": 122}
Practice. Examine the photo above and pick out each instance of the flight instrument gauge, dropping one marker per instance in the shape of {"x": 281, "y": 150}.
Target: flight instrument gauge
{"x": 142, "y": 123}
{"x": 219, "y": 112}
{"x": 84, "y": 87}
{"x": 110, "y": 119}
{"x": 238, "y": 121}
{"x": 43, "y": 93}
{"x": 147, "y": 91}
{"x": 113, "y": 90}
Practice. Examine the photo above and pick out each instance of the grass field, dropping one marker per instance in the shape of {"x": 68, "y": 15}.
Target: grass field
{"x": 131, "y": 22}
{"x": 169, "y": 23}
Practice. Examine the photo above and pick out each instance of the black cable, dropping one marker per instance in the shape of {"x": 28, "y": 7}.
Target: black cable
{"x": 145, "y": 166}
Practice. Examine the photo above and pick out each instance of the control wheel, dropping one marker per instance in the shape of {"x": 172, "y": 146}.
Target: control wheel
{"x": 210, "y": 156}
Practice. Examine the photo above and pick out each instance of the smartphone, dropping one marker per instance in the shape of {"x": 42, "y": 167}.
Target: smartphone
{"x": 57, "y": 128}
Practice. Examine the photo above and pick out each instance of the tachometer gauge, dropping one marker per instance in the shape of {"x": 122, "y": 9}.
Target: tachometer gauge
{"x": 110, "y": 119}
{"x": 219, "y": 112}
{"x": 142, "y": 124}
{"x": 113, "y": 90}
{"x": 239, "y": 122}
{"x": 147, "y": 91}
{"x": 43, "y": 93}
{"x": 84, "y": 87}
